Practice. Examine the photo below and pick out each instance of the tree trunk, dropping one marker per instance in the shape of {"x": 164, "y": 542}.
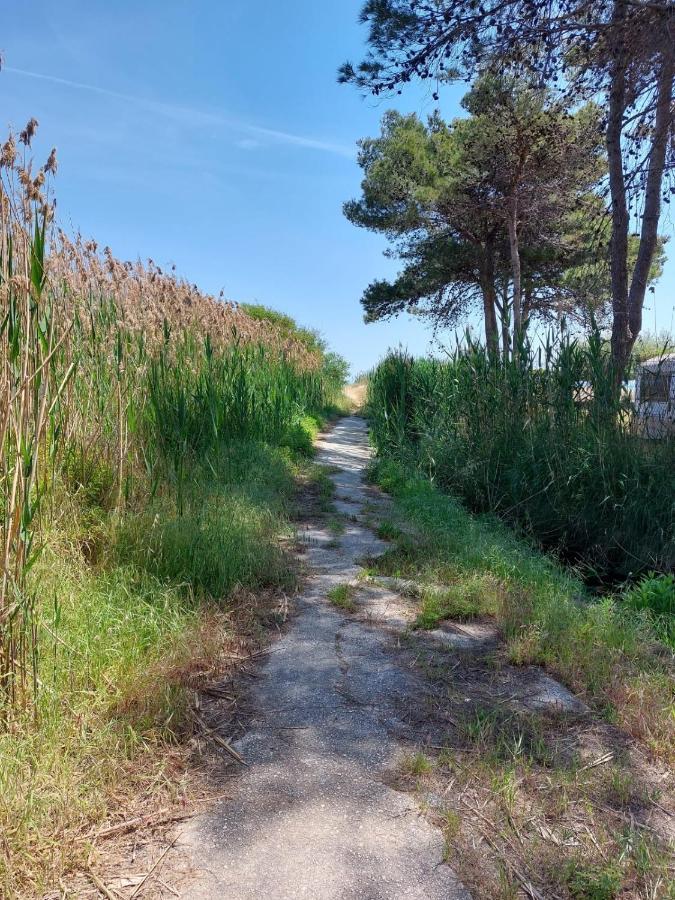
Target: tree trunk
{"x": 526, "y": 304}
{"x": 487, "y": 284}
{"x": 654, "y": 186}
{"x": 505, "y": 322}
{"x": 512, "y": 221}
{"x": 621, "y": 345}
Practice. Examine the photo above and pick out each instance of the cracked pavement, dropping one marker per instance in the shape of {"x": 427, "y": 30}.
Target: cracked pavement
{"x": 312, "y": 815}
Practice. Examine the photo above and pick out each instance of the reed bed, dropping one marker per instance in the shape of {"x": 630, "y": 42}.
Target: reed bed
{"x": 543, "y": 442}
{"x": 117, "y": 379}
{"x": 151, "y": 436}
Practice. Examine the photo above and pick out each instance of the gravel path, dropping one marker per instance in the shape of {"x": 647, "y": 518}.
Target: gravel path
{"x": 313, "y": 815}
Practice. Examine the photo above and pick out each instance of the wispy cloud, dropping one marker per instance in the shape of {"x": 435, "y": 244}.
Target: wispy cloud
{"x": 297, "y": 139}
{"x": 247, "y": 144}
{"x": 192, "y": 116}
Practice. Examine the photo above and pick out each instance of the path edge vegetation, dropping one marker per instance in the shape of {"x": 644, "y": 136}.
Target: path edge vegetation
{"x": 606, "y": 654}
{"x": 136, "y": 617}
{"x": 570, "y": 803}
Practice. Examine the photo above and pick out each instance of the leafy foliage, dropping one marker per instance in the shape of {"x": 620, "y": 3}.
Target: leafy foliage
{"x": 619, "y": 52}
{"x": 444, "y": 194}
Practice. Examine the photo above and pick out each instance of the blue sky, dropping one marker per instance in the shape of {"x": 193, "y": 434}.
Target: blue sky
{"x": 213, "y": 135}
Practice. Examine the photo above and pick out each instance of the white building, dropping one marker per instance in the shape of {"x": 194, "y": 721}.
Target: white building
{"x": 655, "y": 396}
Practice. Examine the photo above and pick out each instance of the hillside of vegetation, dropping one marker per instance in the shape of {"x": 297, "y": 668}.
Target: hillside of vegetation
{"x": 149, "y": 452}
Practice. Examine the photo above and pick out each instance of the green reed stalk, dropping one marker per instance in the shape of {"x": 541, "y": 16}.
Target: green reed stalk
{"x": 544, "y": 443}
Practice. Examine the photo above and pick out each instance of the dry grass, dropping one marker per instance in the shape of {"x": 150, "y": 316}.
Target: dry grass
{"x": 533, "y": 803}
{"x": 550, "y": 832}
{"x": 356, "y": 394}
{"x": 148, "y": 299}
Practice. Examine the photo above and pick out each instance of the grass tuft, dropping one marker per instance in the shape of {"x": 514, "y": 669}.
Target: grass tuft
{"x": 591, "y": 881}
{"x": 418, "y": 764}
{"x": 468, "y": 598}
{"x": 342, "y": 596}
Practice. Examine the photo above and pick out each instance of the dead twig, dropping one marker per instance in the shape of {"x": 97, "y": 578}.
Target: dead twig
{"x": 250, "y": 673}
{"x": 161, "y": 818}
{"x": 167, "y": 886}
{"x": 266, "y": 651}
{"x": 119, "y": 828}
{"x": 93, "y": 877}
{"x": 597, "y": 762}
{"x": 153, "y": 867}
{"x": 526, "y": 885}
{"x": 218, "y": 693}
{"x": 218, "y": 739}
{"x": 663, "y": 809}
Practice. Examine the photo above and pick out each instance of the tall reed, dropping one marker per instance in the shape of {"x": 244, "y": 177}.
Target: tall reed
{"x": 543, "y": 442}
{"x": 115, "y": 380}
{"x": 31, "y": 387}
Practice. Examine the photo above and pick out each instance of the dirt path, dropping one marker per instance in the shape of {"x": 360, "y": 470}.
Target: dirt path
{"x": 313, "y": 815}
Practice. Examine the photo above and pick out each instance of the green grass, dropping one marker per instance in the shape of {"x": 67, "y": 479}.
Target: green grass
{"x": 227, "y": 535}
{"x": 388, "y": 531}
{"x": 598, "y": 648}
{"x": 300, "y": 436}
{"x": 507, "y": 738}
{"x": 586, "y": 881}
{"x": 418, "y": 764}
{"x": 521, "y": 771}
{"x": 131, "y": 614}
{"x": 102, "y": 706}
{"x": 336, "y": 526}
{"x": 654, "y": 597}
{"x": 342, "y": 596}
{"x": 468, "y": 597}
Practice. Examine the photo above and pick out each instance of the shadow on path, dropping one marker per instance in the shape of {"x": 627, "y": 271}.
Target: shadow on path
{"x": 312, "y": 815}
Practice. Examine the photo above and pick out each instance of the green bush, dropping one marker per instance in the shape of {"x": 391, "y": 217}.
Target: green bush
{"x": 300, "y": 436}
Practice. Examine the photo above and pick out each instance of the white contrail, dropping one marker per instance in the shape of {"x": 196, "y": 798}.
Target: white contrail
{"x": 193, "y": 116}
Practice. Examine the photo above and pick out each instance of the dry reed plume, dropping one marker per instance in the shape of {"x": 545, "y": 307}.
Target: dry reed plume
{"x": 94, "y": 354}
